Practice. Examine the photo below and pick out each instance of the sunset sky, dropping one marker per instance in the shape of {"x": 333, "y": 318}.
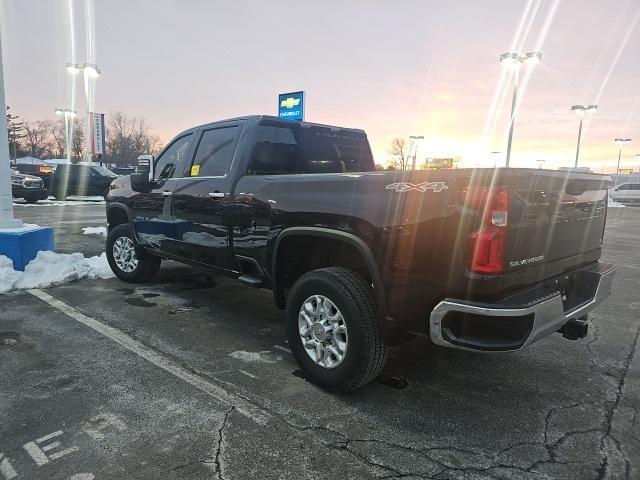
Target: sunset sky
{"x": 393, "y": 68}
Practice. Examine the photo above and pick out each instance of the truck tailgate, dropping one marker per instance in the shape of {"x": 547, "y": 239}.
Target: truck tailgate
{"x": 556, "y": 220}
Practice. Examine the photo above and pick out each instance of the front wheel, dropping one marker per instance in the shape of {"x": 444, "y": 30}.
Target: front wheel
{"x": 333, "y": 329}
{"x": 127, "y": 260}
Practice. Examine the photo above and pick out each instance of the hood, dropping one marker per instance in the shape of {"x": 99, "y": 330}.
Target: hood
{"x": 22, "y": 176}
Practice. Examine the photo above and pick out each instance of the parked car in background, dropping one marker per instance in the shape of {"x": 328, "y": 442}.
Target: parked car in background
{"x": 29, "y": 187}
{"x": 627, "y": 194}
{"x": 42, "y": 171}
{"x": 81, "y": 179}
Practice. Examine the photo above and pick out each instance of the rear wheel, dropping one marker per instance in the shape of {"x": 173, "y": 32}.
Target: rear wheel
{"x": 128, "y": 261}
{"x": 333, "y": 329}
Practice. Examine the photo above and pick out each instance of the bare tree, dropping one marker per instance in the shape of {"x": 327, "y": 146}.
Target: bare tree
{"x": 399, "y": 150}
{"x": 128, "y": 137}
{"x": 57, "y": 138}
{"x": 77, "y": 140}
{"x": 36, "y": 140}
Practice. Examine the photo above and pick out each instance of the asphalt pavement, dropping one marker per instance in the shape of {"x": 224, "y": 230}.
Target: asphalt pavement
{"x": 190, "y": 377}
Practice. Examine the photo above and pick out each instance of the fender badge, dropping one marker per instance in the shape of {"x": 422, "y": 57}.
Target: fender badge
{"x": 402, "y": 187}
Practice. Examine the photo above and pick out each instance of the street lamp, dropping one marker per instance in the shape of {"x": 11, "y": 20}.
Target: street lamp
{"x": 514, "y": 61}
{"x": 414, "y": 144}
{"x": 621, "y": 142}
{"x": 66, "y": 112}
{"x": 494, "y": 154}
{"x": 580, "y": 110}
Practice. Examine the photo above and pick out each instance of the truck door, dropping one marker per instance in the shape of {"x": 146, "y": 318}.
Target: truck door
{"x": 154, "y": 223}
{"x": 201, "y": 199}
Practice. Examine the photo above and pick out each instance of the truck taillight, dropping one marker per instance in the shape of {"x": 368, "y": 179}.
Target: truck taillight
{"x": 487, "y": 245}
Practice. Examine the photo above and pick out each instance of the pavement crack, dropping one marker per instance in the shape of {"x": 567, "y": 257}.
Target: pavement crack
{"x": 609, "y": 413}
{"x": 218, "y": 466}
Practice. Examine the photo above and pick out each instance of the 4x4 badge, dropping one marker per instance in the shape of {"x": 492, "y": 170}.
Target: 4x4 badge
{"x": 402, "y": 187}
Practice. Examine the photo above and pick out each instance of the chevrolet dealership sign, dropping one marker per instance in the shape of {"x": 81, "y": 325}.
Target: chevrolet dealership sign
{"x": 291, "y": 106}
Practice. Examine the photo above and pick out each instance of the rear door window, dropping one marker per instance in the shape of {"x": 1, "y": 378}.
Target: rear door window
{"x": 284, "y": 149}
{"x": 215, "y": 152}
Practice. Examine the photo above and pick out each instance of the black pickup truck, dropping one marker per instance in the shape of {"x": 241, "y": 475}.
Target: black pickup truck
{"x": 478, "y": 259}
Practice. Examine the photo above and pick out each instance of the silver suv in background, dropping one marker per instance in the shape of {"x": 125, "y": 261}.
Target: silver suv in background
{"x": 627, "y": 194}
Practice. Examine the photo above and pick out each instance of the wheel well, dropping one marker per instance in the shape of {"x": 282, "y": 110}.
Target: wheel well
{"x": 116, "y": 216}
{"x": 299, "y": 254}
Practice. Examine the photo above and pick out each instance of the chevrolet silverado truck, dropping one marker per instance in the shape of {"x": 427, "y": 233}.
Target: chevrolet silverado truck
{"x": 482, "y": 259}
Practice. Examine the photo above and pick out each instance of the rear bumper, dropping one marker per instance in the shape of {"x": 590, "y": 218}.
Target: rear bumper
{"x": 523, "y": 318}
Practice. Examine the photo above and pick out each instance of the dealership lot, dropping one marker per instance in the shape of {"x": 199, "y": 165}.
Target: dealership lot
{"x": 190, "y": 377}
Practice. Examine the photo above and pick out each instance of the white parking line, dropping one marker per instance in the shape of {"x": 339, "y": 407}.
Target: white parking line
{"x": 224, "y": 396}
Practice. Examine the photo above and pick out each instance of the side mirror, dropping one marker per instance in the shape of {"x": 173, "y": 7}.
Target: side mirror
{"x": 145, "y": 164}
{"x": 142, "y": 179}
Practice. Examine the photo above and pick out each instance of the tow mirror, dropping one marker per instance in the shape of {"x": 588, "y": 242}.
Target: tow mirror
{"x": 145, "y": 164}
{"x": 142, "y": 179}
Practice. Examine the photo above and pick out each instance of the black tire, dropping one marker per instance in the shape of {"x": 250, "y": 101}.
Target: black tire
{"x": 366, "y": 351}
{"x": 147, "y": 266}
{"x": 31, "y": 199}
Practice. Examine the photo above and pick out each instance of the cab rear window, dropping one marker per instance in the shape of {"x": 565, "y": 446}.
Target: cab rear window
{"x": 297, "y": 149}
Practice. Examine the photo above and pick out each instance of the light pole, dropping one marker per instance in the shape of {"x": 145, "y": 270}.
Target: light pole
{"x": 620, "y": 142}
{"x": 494, "y": 154}
{"x": 67, "y": 130}
{"x": 6, "y": 201}
{"x": 514, "y": 61}
{"x": 414, "y": 144}
{"x": 580, "y": 110}
{"x": 90, "y": 71}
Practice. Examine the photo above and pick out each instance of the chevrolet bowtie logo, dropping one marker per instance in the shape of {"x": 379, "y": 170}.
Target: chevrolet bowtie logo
{"x": 290, "y": 102}
{"x": 402, "y": 187}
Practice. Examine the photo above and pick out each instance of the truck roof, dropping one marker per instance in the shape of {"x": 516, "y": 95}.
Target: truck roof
{"x": 272, "y": 118}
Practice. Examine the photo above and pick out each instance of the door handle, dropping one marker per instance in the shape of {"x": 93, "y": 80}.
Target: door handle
{"x": 167, "y": 193}
{"x": 216, "y": 194}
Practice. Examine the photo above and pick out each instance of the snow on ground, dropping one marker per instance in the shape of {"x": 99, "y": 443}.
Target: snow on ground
{"x": 265, "y": 356}
{"x": 613, "y": 204}
{"x": 26, "y": 227}
{"x": 50, "y": 268}
{"x": 102, "y": 231}
{"x": 52, "y": 202}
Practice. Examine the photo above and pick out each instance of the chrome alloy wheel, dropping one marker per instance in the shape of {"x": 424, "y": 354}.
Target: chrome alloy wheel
{"x": 124, "y": 254}
{"x": 323, "y": 331}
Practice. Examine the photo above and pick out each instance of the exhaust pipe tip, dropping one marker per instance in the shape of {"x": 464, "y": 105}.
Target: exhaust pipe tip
{"x": 575, "y": 329}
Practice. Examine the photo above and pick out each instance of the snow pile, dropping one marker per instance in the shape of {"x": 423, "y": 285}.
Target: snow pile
{"x": 613, "y": 204}
{"x": 50, "y": 268}
{"x": 95, "y": 231}
{"x": 26, "y": 227}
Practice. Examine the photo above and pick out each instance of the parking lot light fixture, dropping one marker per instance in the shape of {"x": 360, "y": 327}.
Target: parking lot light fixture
{"x": 580, "y": 110}
{"x": 73, "y": 68}
{"x": 91, "y": 70}
{"x": 513, "y": 61}
{"x": 620, "y": 142}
